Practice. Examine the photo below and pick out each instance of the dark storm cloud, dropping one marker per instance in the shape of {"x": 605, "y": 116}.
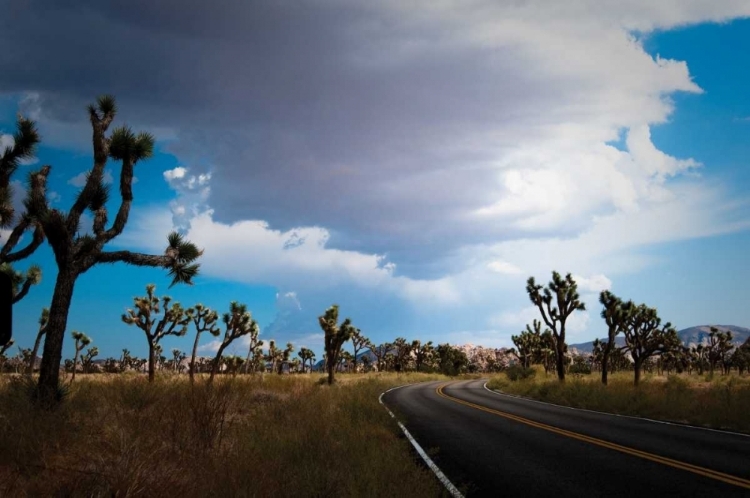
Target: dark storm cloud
{"x": 370, "y": 119}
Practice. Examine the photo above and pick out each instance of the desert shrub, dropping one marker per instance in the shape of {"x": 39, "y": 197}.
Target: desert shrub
{"x": 518, "y": 372}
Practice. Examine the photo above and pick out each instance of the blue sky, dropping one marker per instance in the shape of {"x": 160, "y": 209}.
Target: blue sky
{"x": 414, "y": 166}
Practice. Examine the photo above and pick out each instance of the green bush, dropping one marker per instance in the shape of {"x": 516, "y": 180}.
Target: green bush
{"x": 518, "y": 372}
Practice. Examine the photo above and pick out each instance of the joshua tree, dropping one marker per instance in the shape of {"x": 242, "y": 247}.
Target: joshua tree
{"x": 422, "y": 353}
{"x": 43, "y": 320}
{"x": 381, "y": 352}
{"x": 205, "y": 320}
{"x": 645, "y": 337}
{"x": 82, "y": 340}
{"x": 76, "y": 253}
{"x": 5, "y": 347}
{"x": 359, "y": 342}
{"x": 274, "y": 354}
{"x": 719, "y": 345}
{"x": 306, "y": 355}
{"x": 616, "y": 315}
{"x": 335, "y": 337}
{"x": 402, "y": 355}
{"x": 285, "y": 355}
{"x": 527, "y": 343}
{"x": 239, "y": 322}
{"x": 174, "y": 321}
{"x": 177, "y": 357}
{"x": 23, "y": 148}
{"x": 451, "y": 360}
{"x": 21, "y": 282}
{"x": 88, "y": 359}
{"x": 254, "y": 350}
{"x": 555, "y": 315}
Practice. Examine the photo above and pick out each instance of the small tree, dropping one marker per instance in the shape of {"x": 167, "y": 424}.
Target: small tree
{"x": 527, "y": 343}
{"x": 3, "y": 358}
{"x": 422, "y": 353}
{"x": 719, "y": 346}
{"x": 359, "y": 342}
{"x": 646, "y": 337}
{"x": 564, "y": 292}
{"x": 616, "y": 315}
{"x": 87, "y": 360}
{"x": 254, "y": 351}
{"x": 402, "y": 354}
{"x": 177, "y": 357}
{"x": 306, "y": 355}
{"x": 82, "y": 340}
{"x": 381, "y": 352}
{"x": 239, "y": 322}
{"x": 174, "y": 321}
{"x": 205, "y": 320}
{"x": 43, "y": 320}
{"x": 451, "y": 360}
{"x": 335, "y": 337}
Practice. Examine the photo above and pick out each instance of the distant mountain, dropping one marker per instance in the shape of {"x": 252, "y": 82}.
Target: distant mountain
{"x": 689, "y": 337}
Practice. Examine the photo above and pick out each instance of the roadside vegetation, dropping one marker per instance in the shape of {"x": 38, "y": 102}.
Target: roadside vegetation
{"x": 710, "y": 400}
{"x": 263, "y": 435}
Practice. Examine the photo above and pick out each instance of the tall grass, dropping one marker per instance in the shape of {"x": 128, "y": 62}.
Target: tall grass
{"x": 263, "y": 436}
{"x": 721, "y": 402}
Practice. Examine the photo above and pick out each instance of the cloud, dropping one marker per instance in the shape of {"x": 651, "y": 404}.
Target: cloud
{"x": 80, "y": 179}
{"x": 504, "y": 267}
{"x": 192, "y": 191}
{"x": 418, "y": 155}
{"x": 593, "y": 284}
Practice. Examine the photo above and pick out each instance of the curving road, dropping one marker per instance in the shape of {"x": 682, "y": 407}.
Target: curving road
{"x": 490, "y": 444}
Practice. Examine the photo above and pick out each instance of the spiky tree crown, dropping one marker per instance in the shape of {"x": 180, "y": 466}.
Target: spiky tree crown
{"x": 82, "y": 340}
{"x": 174, "y": 320}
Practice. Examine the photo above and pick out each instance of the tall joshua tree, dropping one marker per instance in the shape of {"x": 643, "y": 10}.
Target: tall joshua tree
{"x": 645, "y": 336}
{"x": 75, "y": 253}
{"x": 238, "y": 322}
{"x": 556, "y": 303}
{"x": 335, "y": 337}
{"x": 616, "y": 315}
{"x": 43, "y": 320}
{"x": 174, "y": 321}
{"x": 82, "y": 340}
{"x": 205, "y": 320}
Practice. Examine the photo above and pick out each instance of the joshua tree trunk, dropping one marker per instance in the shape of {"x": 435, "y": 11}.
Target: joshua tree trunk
{"x": 151, "y": 365}
{"x": 30, "y": 368}
{"x": 192, "y": 358}
{"x": 217, "y": 360}
{"x": 331, "y": 368}
{"x": 605, "y": 360}
{"x": 637, "y": 369}
{"x": 560, "y": 360}
{"x": 49, "y": 372}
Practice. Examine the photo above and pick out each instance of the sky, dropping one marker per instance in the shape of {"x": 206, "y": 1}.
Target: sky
{"x": 413, "y": 162}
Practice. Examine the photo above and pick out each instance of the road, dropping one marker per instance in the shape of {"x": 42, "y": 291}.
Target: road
{"x": 490, "y": 444}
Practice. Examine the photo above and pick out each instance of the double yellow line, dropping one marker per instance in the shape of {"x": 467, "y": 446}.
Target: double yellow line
{"x": 712, "y": 474}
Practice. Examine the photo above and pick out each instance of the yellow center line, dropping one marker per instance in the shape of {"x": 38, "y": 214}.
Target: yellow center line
{"x": 713, "y": 474}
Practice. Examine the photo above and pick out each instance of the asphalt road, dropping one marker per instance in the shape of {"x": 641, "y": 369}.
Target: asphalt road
{"x": 489, "y": 444}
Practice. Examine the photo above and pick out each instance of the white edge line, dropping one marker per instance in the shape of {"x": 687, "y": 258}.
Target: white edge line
{"x": 433, "y": 467}
{"x": 686, "y": 426}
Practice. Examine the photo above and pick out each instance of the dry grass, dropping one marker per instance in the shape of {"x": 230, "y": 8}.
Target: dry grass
{"x": 247, "y": 436}
{"x": 721, "y": 402}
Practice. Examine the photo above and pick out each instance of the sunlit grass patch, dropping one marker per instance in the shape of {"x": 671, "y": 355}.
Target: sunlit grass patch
{"x": 722, "y": 402}
{"x": 258, "y": 435}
